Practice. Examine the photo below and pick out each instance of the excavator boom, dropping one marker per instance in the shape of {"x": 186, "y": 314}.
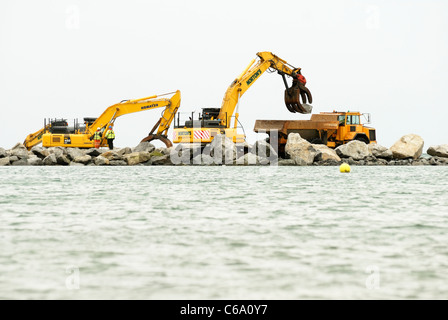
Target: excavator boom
{"x": 109, "y": 116}
{"x": 165, "y": 121}
{"x": 253, "y": 72}
{"x": 35, "y": 138}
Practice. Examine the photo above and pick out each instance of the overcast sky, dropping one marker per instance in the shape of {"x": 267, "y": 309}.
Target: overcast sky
{"x": 73, "y": 59}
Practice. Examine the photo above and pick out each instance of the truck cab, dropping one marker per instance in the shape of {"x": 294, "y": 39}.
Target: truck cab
{"x": 352, "y": 128}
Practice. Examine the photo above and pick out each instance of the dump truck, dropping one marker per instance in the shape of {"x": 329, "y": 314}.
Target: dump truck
{"x": 329, "y": 128}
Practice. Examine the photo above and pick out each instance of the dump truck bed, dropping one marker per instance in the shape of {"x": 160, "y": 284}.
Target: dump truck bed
{"x": 288, "y": 126}
{"x": 308, "y": 129}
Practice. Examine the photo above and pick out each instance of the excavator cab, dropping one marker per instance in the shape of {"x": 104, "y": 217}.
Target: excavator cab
{"x": 207, "y": 118}
{"x": 210, "y": 113}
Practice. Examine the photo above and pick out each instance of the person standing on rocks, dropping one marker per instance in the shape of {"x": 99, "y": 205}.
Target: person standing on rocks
{"x": 110, "y": 136}
{"x": 97, "y": 137}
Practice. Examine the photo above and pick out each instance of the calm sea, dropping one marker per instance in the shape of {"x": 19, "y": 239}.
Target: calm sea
{"x": 223, "y": 233}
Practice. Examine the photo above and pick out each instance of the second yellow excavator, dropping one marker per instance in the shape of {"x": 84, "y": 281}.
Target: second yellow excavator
{"x": 214, "y": 121}
{"x": 58, "y": 133}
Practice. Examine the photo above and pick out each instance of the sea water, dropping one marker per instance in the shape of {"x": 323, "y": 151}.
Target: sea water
{"x": 184, "y": 232}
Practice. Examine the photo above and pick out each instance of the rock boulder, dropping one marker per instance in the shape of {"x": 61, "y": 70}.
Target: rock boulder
{"x": 41, "y": 152}
{"x": 203, "y": 160}
{"x": 93, "y": 152}
{"x": 18, "y": 145}
{"x": 57, "y": 151}
{"x": 144, "y": 147}
{"x": 409, "y": 146}
{"x": 221, "y": 149}
{"x": 286, "y": 162}
{"x": 160, "y": 160}
{"x": 73, "y": 153}
{"x": 13, "y": 159}
{"x": 163, "y": 150}
{"x": 50, "y": 160}
{"x": 83, "y": 159}
{"x": 20, "y": 153}
{"x": 326, "y": 153}
{"x": 183, "y": 153}
{"x": 135, "y": 158}
{"x": 62, "y": 160}
{"x": 248, "y": 159}
{"x": 355, "y": 149}
{"x": 35, "y": 161}
{"x": 263, "y": 149}
{"x": 118, "y": 163}
{"x": 112, "y": 155}
{"x": 156, "y": 153}
{"x": 123, "y": 151}
{"x": 438, "y": 151}
{"x": 378, "y": 151}
{"x": 20, "y": 162}
{"x": 300, "y": 150}
{"x": 101, "y": 161}
{"x": 4, "y": 161}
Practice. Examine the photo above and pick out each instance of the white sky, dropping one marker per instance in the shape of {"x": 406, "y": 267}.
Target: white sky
{"x": 73, "y": 59}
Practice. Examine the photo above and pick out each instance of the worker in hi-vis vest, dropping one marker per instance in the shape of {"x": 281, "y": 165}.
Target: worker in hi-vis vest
{"x": 110, "y": 136}
{"x": 97, "y": 138}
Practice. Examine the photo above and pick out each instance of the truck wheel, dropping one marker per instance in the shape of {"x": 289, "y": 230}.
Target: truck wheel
{"x": 316, "y": 141}
{"x": 363, "y": 139}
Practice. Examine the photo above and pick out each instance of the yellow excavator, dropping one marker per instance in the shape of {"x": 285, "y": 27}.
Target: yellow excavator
{"x": 58, "y": 133}
{"x": 214, "y": 121}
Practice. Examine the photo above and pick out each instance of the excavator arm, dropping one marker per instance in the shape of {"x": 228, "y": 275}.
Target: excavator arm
{"x": 253, "y": 72}
{"x": 131, "y": 106}
{"x": 35, "y": 138}
{"x": 165, "y": 121}
{"x": 171, "y": 105}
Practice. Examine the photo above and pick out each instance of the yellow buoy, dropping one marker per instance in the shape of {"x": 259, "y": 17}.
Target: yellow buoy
{"x": 344, "y": 168}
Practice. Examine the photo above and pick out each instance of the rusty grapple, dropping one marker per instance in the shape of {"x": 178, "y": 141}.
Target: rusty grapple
{"x": 162, "y": 138}
{"x": 155, "y": 136}
{"x": 293, "y": 96}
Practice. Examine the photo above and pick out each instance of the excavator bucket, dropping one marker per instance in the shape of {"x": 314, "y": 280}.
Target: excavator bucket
{"x": 293, "y": 96}
{"x": 164, "y": 139}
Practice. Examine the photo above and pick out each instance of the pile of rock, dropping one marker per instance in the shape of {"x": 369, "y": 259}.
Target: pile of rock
{"x": 406, "y": 151}
{"x": 222, "y": 151}
{"x": 144, "y": 153}
{"x": 438, "y": 151}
